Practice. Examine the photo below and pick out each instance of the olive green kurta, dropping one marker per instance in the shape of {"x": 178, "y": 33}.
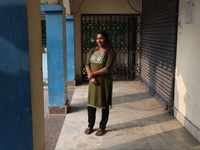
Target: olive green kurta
{"x": 100, "y": 95}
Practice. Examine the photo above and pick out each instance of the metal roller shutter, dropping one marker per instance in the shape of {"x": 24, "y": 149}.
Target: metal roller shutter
{"x": 158, "y": 50}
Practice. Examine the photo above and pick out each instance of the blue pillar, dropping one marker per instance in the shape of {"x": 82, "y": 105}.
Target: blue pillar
{"x": 56, "y": 57}
{"x": 70, "y": 50}
{"x": 15, "y": 94}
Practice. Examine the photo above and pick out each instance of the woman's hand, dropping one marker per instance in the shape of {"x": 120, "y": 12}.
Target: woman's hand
{"x": 93, "y": 80}
{"x": 89, "y": 75}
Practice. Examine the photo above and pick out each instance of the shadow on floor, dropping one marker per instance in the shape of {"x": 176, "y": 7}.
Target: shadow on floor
{"x": 54, "y": 122}
{"x": 53, "y": 126}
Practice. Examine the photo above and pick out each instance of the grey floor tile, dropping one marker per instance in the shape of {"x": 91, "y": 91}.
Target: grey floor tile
{"x": 137, "y": 121}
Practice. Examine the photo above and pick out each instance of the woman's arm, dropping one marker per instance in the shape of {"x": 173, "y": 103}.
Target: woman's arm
{"x": 88, "y": 69}
{"x": 99, "y": 72}
{"x": 89, "y": 72}
{"x": 89, "y": 75}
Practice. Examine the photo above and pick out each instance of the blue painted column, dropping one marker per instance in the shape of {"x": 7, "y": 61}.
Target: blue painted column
{"x": 56, "y": 57}
{"x": 70, "y": 50}
{"x": 15, "y": 94}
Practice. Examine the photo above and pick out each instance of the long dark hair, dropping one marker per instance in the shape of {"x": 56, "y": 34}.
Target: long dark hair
{"x": 107, "y": 44}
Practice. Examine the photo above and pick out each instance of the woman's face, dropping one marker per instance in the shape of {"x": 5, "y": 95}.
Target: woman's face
{"x": 100, "y": 40}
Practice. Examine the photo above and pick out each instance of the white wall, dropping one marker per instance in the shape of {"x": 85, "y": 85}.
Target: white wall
{"x": 187, "y": 83}
{"x": 96, "y": 7}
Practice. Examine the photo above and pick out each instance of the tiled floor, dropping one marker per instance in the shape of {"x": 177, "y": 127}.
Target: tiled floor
{"x": 137, "y": 121}
{"x": 53, "y": 122}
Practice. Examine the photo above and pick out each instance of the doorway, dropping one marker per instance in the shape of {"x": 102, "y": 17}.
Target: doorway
{"x": 124, "y": 31}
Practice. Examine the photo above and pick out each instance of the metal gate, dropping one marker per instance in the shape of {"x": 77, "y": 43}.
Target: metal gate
{"x": 124, "y": 32}
{"x": 158, "y": 50}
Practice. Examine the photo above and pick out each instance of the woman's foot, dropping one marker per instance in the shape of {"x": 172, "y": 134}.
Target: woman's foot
{"x": 88, "y": 130}
{"x": 100, "y": 132}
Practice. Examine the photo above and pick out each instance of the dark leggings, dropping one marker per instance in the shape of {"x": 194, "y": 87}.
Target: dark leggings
{"x": 92, "y": 117}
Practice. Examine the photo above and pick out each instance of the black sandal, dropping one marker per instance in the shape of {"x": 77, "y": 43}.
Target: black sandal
{"x": 88, "y": 130}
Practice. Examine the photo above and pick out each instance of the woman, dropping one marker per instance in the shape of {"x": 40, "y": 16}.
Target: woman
{"x": 99, "y": 67}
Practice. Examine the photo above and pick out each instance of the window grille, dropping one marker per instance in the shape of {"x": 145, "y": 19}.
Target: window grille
{"x": 43, "y": 27}
{"x": 124, "y": 32}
